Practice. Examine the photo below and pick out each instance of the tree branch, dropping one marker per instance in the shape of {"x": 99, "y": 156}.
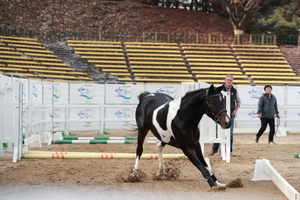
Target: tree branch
{"x": 238, "y": 10}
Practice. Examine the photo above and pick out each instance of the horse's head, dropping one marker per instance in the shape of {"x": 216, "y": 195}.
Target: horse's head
{"x": 216, "y": 107}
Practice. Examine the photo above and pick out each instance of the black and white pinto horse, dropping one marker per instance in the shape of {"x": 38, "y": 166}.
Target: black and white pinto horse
{"x": 175, "y": 122}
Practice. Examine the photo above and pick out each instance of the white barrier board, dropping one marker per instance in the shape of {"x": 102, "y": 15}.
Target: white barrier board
{"x": 61, "y": 93}
{"x": 265, "y": 171}
{"x": 86, "y": 93}
{"x": 123, "y": 94}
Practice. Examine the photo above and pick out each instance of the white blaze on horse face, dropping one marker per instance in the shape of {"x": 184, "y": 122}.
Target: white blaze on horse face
{"x": 166, "y": 134}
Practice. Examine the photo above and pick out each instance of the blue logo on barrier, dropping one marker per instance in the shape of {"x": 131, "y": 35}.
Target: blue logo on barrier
{"x": 56, "y": 113}
{"x": 122, "y": 113}
{"x": 24, "y": 89}
{"x": 252, "y": 114}
{"x": 118, "y": 114}
{"x": 56, "y": 92}
{"x": 35, "y": 91}
{"x": 84, "y": 114}
{"x": 254, "y": 93}
{"x": 86, "y": 92}
{"x": 167, "y": 91}
{"x": 124, "y": 93}
{"x": 24, "y": 117}
{"x": 160, "y": 90}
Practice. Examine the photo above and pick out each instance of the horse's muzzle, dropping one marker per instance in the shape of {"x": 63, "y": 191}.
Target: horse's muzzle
{"x": 224, "y": 120}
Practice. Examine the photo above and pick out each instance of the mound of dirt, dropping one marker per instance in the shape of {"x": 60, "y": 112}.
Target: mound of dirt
{"x": 235, "y": 183}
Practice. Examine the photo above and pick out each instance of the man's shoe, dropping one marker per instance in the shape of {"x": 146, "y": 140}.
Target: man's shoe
{"x": 271, "y": 142}
{"x": 232, "y": 155}
{"x": 212, "y": 153}
{"x": 256, "y": 140}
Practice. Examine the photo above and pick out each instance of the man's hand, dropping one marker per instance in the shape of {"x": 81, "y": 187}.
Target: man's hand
{"x": 258, "y": 115}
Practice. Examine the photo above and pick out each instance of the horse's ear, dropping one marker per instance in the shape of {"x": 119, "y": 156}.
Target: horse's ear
{"x": 221, "y": 87}
{"x": 211, "y": 89}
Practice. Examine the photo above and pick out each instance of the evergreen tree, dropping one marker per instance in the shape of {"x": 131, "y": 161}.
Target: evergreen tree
{"x": 281, "y": 18}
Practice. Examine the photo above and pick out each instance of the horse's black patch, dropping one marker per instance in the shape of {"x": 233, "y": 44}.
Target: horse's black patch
{"x": 161, "y": 117}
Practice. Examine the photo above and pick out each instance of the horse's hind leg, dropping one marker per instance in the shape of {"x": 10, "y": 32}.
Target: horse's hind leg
{"x": 160, "y": 146}
{"x": 142, "y": 132}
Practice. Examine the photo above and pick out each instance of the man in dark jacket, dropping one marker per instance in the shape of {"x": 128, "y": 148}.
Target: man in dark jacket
{"x": 235, "y": 103}
{"x": 267, "y": 109}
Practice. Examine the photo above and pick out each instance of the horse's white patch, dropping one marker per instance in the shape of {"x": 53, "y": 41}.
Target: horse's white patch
{"x": 209, "y": 170}
{"x": 173, "y": 108}
{"x": 218, "y": 183}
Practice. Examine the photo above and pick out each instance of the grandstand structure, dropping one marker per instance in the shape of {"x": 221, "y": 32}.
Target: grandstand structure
{"x": 184, "y": 62}
{"x": 150, "y": 62}
{"x": 26, "y": 57}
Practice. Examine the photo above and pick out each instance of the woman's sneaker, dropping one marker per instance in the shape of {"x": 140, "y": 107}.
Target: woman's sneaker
{"x": 271, "y": 142}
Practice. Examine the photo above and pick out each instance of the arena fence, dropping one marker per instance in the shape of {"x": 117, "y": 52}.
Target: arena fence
{"x": 67, "y": 107}
{"x": 11, "y": 120}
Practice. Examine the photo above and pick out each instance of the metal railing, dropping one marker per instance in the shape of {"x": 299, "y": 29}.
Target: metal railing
{"x": 158, "y": 37}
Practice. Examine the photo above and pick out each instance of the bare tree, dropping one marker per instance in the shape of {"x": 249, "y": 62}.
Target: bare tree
{"x": 238, "y": 11}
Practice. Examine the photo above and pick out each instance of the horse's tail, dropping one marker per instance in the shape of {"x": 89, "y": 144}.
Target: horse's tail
{"x": 132, "y": 128}
{"x": 142, "y": 95}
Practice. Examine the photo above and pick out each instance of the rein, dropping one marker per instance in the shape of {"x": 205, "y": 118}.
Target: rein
{"x": 277, "y": 124}
{"x": 209, "y": 105}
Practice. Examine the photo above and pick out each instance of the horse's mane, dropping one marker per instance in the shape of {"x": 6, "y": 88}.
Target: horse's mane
{"x": 191, "y": 93}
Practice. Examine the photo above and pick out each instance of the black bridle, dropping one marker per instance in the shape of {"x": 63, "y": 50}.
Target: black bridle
{"x": 210, "y": 106}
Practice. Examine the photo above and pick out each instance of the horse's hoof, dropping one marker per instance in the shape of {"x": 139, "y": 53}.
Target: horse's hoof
{"x": 134, "y": 170}
{"x": 220, "y": 184}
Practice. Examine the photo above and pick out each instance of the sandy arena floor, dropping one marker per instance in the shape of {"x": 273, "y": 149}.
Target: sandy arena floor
{"x": 96, "y": 178}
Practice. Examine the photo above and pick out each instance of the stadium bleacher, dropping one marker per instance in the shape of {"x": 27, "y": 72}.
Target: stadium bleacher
{"x": 265, "y": 64}
{"x": 107, "y": 56}
{"x": 172, "y": 62}
{"x": 211, "y": 62}
{"x": 157, "y": 62}
{"x": 150, "y": 62}
{"x": 26, "y": 57}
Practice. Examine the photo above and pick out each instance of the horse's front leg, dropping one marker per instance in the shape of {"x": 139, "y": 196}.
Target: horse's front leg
{"x": 199, "y": 154}
{"x": 202, "y": 160}
{"x": 204, "y": 169}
